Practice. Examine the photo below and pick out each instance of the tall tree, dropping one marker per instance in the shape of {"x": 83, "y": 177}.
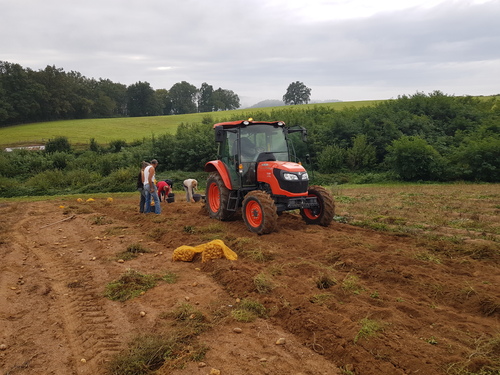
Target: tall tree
{"x": 110, "y": 99}
{"x": 21, "y": 93}
{"x": 205, "y": 98}
{"x": 56, "y": 105}
{"x": 163, "y": 100}
{"x": 225, "y": 100}
{"x": 297, "y": 93}
{"x": 183, "y": 98}
{"x": 142, "y": 100}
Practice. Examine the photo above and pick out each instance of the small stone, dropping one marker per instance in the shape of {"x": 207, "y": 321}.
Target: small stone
{"x": 83, "y": 360}
{"x": 214, "y": 371}
{"x": 280, "y": 341}
{"x": 238, "y": 300}
{"x": 187, "y": 298}
{"x": 202, "y": 364}
{"x": 3, "y": 347}
{"x": 121, "y": 261}
{"x": 143, "y": 313}
{"x": 195, "y": 284}
{"x": 263, "y": 360}
{"x": 237, "y": 330}
{"x": 93, "y": 258}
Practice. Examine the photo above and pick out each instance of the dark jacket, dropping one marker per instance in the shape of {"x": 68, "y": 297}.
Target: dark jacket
{"x": 140, "y": 185}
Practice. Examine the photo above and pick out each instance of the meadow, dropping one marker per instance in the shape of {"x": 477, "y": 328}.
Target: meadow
{"x": 131, "y": 129}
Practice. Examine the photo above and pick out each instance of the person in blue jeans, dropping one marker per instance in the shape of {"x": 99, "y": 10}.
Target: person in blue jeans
{"x": 150, "y": 188}
{"x": 140, "y": 187}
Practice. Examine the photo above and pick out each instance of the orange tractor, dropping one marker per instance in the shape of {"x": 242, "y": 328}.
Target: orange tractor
{"x": 255, "y": 172}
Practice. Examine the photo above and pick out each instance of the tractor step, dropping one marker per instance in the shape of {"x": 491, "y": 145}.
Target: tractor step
{"x": 233, "y": 201}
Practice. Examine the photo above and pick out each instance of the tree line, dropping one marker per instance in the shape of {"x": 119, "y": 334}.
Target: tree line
{"x": 432, "y": 137}
{"x": 52, "y": 94}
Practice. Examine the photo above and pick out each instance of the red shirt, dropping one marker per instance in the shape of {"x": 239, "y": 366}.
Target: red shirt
{"x": 161, "y": 187}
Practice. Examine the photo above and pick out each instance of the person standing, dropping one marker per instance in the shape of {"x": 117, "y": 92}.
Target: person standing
{"x": 150, "y": 187}
{"x": 190, "y": 185}
{"x": 140, "y": 186}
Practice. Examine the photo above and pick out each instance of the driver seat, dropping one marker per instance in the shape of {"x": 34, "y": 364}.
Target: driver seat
{"x": 266, "y": 156}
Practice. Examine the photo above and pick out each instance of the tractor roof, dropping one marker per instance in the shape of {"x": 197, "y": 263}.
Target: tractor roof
{"x": 249, "y": 122}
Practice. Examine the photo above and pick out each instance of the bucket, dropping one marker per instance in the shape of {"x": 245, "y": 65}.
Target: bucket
{"x": 197, "y": 197}
{"x": 171, "y": 198}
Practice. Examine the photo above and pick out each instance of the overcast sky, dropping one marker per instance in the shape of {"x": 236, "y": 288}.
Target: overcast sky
{"x": 340, "y": 49}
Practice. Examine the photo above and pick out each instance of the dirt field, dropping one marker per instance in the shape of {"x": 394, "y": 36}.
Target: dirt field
{"x": 345, "y": 299}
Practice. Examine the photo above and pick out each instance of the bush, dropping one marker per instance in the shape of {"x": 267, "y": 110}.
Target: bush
{"x": 331, "y": 158}
{"x": 60, "y": 144}
{"x": 124, "y": 179}
{"x": 479, "y": 160}
{"x": 413, "y": 159}
{"x": 47, "y": 182}
{"x": 9, "y": 187}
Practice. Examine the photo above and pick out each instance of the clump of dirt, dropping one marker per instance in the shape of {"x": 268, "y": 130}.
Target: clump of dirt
{"x": 338, "y": 299}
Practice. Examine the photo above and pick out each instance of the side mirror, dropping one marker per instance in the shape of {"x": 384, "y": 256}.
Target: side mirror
{"x": 308, "y": 159}
{"x": 219, "y": 134}
{"x": 304, "y": 135}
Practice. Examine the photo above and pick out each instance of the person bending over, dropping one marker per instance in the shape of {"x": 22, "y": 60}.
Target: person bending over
{"x": 190, "y": 186}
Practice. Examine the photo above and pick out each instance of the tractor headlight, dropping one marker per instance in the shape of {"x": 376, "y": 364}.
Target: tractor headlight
{"x": 290, "y": 176}
{"x": 305, "y": 176}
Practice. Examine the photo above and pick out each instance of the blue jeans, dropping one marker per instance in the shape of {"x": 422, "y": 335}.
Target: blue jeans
{"x": 153, "y": 195}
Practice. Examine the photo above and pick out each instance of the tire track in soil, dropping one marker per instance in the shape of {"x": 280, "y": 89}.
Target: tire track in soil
{"x": 91, "y": 333}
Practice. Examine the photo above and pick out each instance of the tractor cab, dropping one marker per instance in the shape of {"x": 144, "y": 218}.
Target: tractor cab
{"x": 243, "y": 145}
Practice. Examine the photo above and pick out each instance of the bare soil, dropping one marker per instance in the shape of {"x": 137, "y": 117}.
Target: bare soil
{"x": 434, "y": 314}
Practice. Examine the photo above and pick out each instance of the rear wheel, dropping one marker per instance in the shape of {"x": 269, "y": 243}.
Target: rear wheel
{"x": 259, "y": 212}
{"x": 217, "y": 196}
{"x": 323, "y": 214}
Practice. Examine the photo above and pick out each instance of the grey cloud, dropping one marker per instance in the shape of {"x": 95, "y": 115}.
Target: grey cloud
{"x": 257, "y": 50}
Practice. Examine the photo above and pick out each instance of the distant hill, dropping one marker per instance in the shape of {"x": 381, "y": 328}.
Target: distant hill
{"x": 279, "y": 103}
{"x": 268, "y": 103}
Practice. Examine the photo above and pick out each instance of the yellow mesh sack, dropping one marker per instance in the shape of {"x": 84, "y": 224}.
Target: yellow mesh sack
{"x": 215, "y": 249}
{"x": 184, "y": 253}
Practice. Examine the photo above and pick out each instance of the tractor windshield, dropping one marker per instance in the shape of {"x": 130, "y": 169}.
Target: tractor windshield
{"x": 263, "y": 138}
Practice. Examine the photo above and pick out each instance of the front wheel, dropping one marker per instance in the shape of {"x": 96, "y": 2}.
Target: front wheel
{"x": 259, "y": 212}
{"x": 217, "y": 196}
{"x": 324, "y": 212}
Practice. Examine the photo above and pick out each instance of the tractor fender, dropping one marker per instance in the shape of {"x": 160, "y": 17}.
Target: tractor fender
{"x": 220, "y": 167}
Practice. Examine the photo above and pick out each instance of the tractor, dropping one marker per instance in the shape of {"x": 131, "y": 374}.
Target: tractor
{"x": 256, "y": 172}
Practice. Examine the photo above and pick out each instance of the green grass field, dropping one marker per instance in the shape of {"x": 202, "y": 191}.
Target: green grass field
{"x": 129, "y": 129}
